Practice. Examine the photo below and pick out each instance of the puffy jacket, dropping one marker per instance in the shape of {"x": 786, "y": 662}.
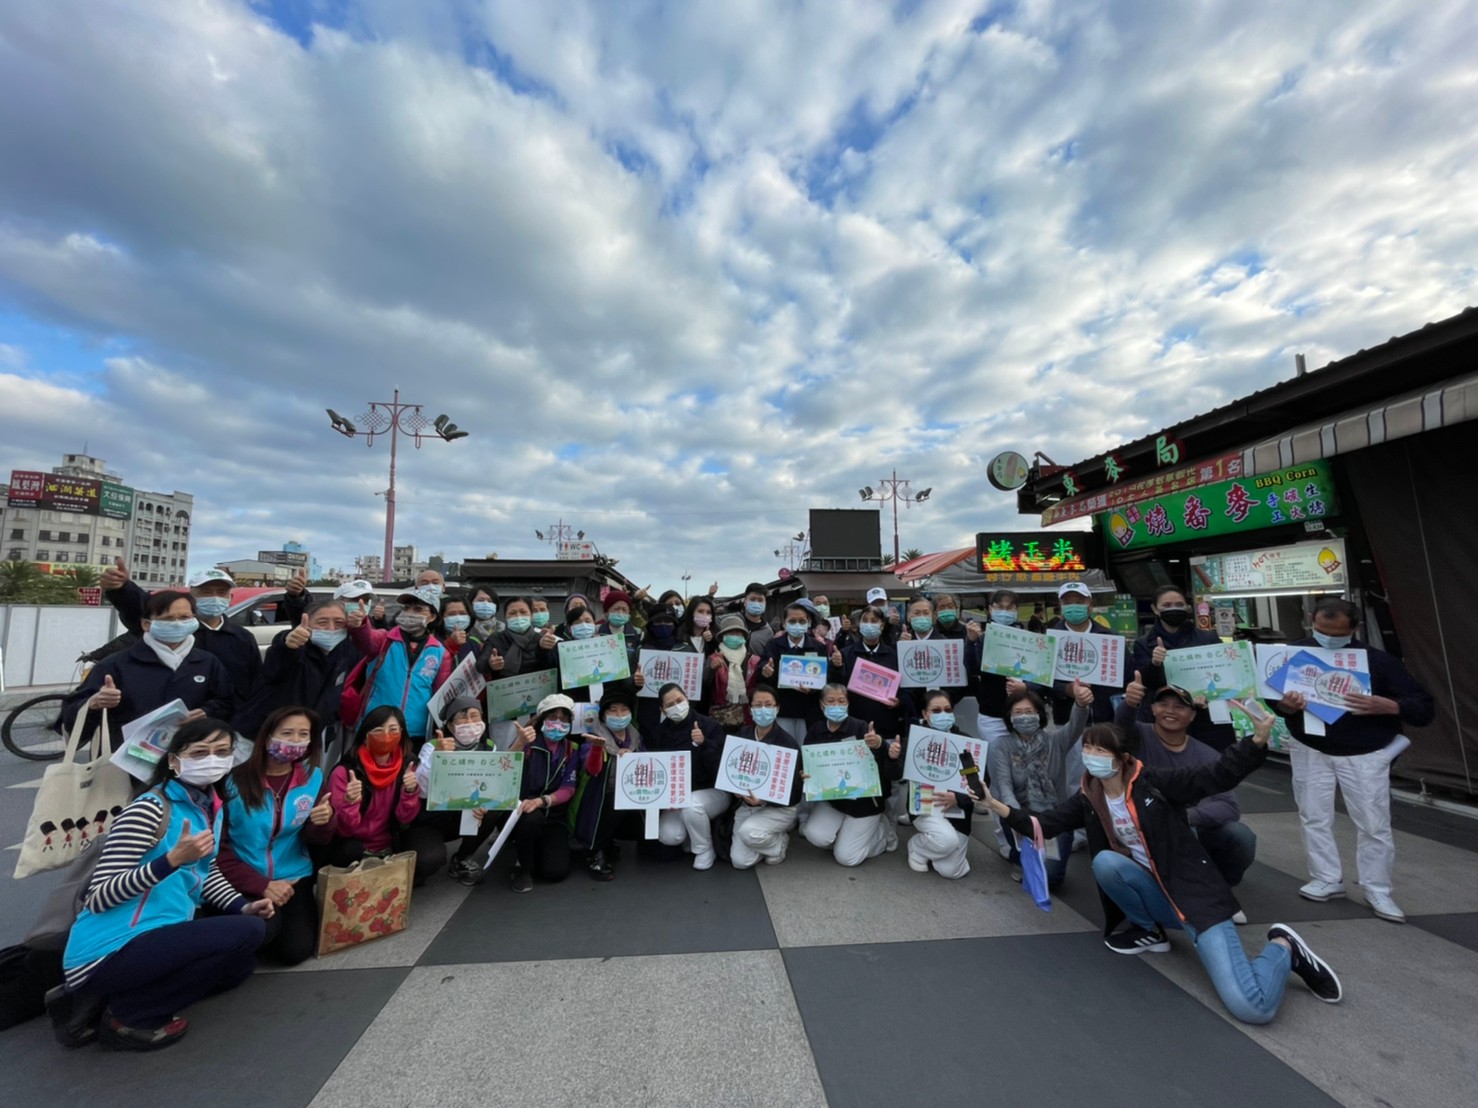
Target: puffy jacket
{"x": 146, "y": 683}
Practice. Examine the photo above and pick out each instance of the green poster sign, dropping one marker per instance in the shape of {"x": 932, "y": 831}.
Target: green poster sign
{"x": 115, "y": 501}
{"x": 1292, "y": 495}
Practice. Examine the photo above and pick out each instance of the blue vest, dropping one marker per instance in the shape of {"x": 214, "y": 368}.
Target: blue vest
{"x": 268, "y": 837}
{"x": 407, "y": 689}
{"x": 173, "y": 900}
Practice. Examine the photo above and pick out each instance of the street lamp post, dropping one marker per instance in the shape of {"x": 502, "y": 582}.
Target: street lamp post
{"x": 894, "y": 488}
{"x": 398, "y": 419}
{"x": 794, "y": 551}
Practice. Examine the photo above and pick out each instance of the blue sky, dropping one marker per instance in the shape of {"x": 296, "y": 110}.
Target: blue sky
{"x": 685, "y": 271}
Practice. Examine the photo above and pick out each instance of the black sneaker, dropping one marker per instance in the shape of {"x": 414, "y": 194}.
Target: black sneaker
{"x": 522, "y": 882}
{"x": 465, "y": 871}
{"x": 1136, "y": 940}
{"x": 1315, "y": 972}
{"x": 598, "y": 867}
{"x": 113, "y": 1035}
{"x": 74, "y": 1017}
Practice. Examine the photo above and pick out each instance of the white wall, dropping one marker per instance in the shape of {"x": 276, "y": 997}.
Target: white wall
{"x": 41, "y": 644}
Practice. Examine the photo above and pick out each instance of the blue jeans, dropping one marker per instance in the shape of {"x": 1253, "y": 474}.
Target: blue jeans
{"x": 1252, "y": 990}
{"x": 1231, "y": 847}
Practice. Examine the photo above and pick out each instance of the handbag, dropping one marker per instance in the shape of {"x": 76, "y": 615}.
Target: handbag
{"x": 363, "y": 902}
{"x": 74, "y": 804}
{"x": 1034, "y": 868}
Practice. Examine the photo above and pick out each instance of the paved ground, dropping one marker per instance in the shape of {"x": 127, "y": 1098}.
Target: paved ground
{"x": 809, "y": 984}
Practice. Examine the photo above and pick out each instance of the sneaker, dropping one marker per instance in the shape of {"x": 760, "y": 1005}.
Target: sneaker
{"x": 115, "y": 1035}
{"x": 890, "y": 837}
{"x": 904, "y": 818}
{"x": 1314, "y": 971}
{"x": 598, "y": 867}
{"x": 1322, "y": 890}
{"x": 1006, "y": 853}
{"x": 1239, "y": 917}
{"x": 704, "y": 861}
{"x": 1136, "y": 940}
{"x": 1016, "y": 874}
{"x": 776, "y": 859}
{"x": 74, "y": 1018}
{"x": 1384, "y": 907}
{"x": 465, "y": 871}
{"x": 522, "y": 882}
{"x": 918, "y": 865}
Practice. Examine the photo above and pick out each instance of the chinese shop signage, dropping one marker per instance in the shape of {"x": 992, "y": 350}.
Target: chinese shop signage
{"x": 1130, "y": 492}
{"x": 1297, "y": 494}
{"x": 1036, "y": 551}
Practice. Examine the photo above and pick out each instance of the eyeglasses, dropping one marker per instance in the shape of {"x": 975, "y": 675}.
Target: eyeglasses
{"x": 392, "y": 729}
{"x": 194, "y": 753}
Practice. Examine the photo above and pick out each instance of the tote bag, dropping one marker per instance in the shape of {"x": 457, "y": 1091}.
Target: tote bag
{"x": 1034, "y": 867}
{"x": 363, "y": 902}
{"x": 75, "y": 803}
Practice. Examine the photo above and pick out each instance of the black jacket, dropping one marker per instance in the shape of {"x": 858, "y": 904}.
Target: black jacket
{"x": 1062, "y": 691}
{"x": 1216, "y": 735}
{"x": 778, "y": 737}
{"x": 679, "y": 736}
{"x": 1158, "y": 800}
{"x": 1352, "y": 734}
{"x": 802, "y": 704}
{"x": 146, "y": 683}
{"x": 888, "y": 770}
{"x": 888, "y": 721}
{"x": 305, "y": 677}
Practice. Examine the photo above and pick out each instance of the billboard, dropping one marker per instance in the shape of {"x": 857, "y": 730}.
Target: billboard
{"x": 55, "y": 493}
{"x": 115, "y": 501}
{"x": 846, "y": 533}
{"x": 296, "y": 559}
{"x": 1017, "y": 552}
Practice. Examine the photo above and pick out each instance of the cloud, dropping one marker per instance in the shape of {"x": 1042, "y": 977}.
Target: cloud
{"x": 684, "y": 274}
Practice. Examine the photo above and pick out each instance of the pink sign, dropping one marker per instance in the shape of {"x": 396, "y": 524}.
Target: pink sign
{"x": 874, "y": 681}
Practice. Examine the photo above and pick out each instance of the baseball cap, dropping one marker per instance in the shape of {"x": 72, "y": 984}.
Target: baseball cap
{"x": 1176, "y": 691}
{"x": 206, "y": 576}
{"x": 428, "y": 595}
{"x": 877, "y": 596}
{"x": 1074, "y": 586}
{"x": 353, "y": 590}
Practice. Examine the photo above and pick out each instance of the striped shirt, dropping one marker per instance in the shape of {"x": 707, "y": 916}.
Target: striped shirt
{"x": 121, "y": 876}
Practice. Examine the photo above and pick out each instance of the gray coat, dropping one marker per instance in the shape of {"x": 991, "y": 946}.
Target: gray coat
{"x": 1008, "y": 776}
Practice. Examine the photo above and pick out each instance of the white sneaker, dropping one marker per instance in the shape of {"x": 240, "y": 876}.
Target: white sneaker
{"x": 918, "y": 865}
{"x": 1384, "y": 907}
{"x": 1239, "y": 917}
{"x": 1006, "y": 853}
{"x": 890, "y": 837}
{"x": 704, "y": 861}
{"x": 1322, "y": 890}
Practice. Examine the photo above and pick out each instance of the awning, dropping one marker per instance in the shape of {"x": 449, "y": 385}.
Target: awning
{"x": 963, "y": 578}
{"x": 928, "y": 564}
{"x": 1407, "y": 414}
{"x": 849, "y": 585}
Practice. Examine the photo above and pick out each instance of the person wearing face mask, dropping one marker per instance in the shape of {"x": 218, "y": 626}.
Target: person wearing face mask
{"x": 1076, "y": 600}
{"x": 938, "y": 840}
{"x": 541, "y": 839}
{"x": 596, "y": 824}
{"x": 519, "y": 648}
{"x": 1028, "y": 765}
{"x": 889, "y": 719}
{"x": 575, "y": 603}
{"x": 233, "y": 646}
{"x": 277, "y": 808}
{"x": 699, "y": 629}
{"x": 681, "y": 728}
{"x": 1352, "y": 757}
{"x": 822, "y": 604}
{"x": 483, "y": 602}
{"x": 754, "y": 605}
{"x": 799, "y": 708}
{"x": 1175, "y": 629}
{"x": 401, "y": 667}
{"x": 464, "y": 730}
{"x": 618, "y": 622}
{"x": 1153, "y": 872}
{"x": 733, "y": 670}
{"x": 762, "y": 828}
{"x": 137, "y": 956}
{"x": 661, "y": 634}
{"x": 304, "y": 666}
{"x": 992, "y": 689}
{"x": 453, "y": 625}
{"x": 855, "y": 829}
{"x": 167, "y": 665}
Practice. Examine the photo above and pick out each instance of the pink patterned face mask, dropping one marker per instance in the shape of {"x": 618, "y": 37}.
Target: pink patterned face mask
{"x": 702, "y": 619}
{"x": 280, "y": 750}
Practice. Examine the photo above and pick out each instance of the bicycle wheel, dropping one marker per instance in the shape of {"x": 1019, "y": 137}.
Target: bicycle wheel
{"x": 32, "y": 729}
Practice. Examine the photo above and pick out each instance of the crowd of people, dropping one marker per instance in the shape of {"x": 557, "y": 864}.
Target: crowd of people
{"x": 213, "y": 865}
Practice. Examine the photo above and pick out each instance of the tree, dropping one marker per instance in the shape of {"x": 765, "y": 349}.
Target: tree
{"x": 20, "y": 582}
{"x": 887, "y": 559}
{"x": 911, "y": 553}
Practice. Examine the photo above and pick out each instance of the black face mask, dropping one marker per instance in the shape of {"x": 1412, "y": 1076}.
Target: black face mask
{"x": 1174, "y": 617}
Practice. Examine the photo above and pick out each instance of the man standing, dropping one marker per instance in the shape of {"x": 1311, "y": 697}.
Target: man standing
{"x": 1076, "y": 600}
{"x": 1352, "y": 756}
{"x": 756, "y": 626}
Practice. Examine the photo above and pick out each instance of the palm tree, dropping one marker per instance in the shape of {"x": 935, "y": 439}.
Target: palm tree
{"x": 20, "y": 582}
{"x": 911, "y": 553}
{"x": 887, "y": 559}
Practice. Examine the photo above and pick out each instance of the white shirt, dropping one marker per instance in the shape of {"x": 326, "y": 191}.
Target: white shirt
{"x": 1126, "y": 830}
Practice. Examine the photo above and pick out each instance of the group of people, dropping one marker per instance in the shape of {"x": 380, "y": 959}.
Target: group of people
{"x": 214, "y": 863}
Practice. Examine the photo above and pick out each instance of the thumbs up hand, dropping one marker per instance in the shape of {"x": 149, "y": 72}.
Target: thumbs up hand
{"x": 1083, "y": 694}
{"x": 836, "y": 656}
{"x": 297, "y": 584}
{"x": 495, "y": 661}
{"x": 299, "y": 636}
{"x": 106, "y": 697}
{"x": 355, "y": 791}
{"x": 322, "y": 812}
{"x": 115, "y": 576}
{"x": 191, "y": 848}
{"x": 872, "y": 738}
{"x": 356, "y": 615}
{"x": 444, "y": 743}
{"x": 697, "y": 735}
{"x": 1158, "y": 657}
{"x": 1134, "y": 692}
{"x": 769, "y": 670}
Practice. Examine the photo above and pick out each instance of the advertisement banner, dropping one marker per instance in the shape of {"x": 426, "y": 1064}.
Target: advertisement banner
{"x": 1036, "y": 551}
{"x": 115, "y": 501}
{"x": 1302, "y": 567}
{"x": 1225, "y": 468}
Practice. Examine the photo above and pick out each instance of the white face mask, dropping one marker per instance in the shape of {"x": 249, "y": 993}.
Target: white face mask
{"x": 202, "y": 772}
{"x": 678, "y": 712}
{"x": 467, "y": 734}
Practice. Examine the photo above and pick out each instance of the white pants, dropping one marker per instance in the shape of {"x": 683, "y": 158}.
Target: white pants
{"x": 693, "y": 824}
{"x": 1365, "y": 781}
{"x": 937, "y": 840}
{"x": 762, "y": 832}
{"x": 851, "y": 839}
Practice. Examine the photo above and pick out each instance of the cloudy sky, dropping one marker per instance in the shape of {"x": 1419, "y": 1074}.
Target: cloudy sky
{"x": 687, "y": 270}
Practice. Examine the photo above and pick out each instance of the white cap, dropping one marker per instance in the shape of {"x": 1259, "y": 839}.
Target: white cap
{"x": 353, "y": 590}
{"x": 205, "y": 577}
{"x": 877, "y": 596}
{"x": 1075, "y": 586}
{"x": 553, "y": 701}
{"x": 428, "y": 595}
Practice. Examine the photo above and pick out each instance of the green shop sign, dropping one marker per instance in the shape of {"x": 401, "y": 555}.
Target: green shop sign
{"x": 116, "y": 501}
{"x": 1292, "y": 495}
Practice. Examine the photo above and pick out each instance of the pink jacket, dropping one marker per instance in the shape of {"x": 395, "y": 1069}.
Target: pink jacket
{"x": 374, "y": 826}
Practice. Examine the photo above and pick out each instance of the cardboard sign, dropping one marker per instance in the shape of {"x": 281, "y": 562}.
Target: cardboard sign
{"x": 462, "y": 780}
{"x": 923, "y": 801}
{"x": 932, "y": 663}
{"x": 465, "y": 680}
{"x": 874, "y": 681}
{"x": 932, "y": 758}
{"x": 1220, "y": 672}
{"x": 840, "y": 771}
{"x": 761, "y": 770}
{"x": 802, "y": 671}
{"x": 1017, "y": 653}
{"x": 585, "y": 662}
{"x": 514, "y": 697}
{"x": 1092, "y": 659}
{"x": 656, "y": 781}
{"x": 685, "y": 667}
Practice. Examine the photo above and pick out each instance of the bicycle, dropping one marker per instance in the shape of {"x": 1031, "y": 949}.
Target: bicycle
{"x": 32, "y": 729}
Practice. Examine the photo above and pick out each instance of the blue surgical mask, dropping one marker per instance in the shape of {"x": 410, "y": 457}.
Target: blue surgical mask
{"x": 484, "y": 609}
{"x": 823, "y": 610}
{"x": 871, "y": 631}
{"x": 735, "y": 642}
{"x": 1003, "y": 615}
{"x": 618, "y": 619}
{"x": 1026, "y": 726}
{"x": 764, "y": 717}
{"x": 836, "y": 713}
{"x": 555, "y": 729}
{"x": 942, "y": 721}
{"x": 921, "y": 625}
{"x": 327, "y": 640}
{"x": 582, "y": 630}
{"x": 1332, "y": 642}
{"x": 948, "y": 616}
{"x": 755, "y": 607}
{"x": 1100, "y": 765}
{"x": 678, "y": 610}
{"x": 212, "y": 606}
{"x": 519, "y": 624}
{"x": 618, "y": 723}
{"x": 457, "y": 623}
{"x": 797, "y": 630}
{"x": 172, "y": 631}
{"x": 1075, "y": 613}
{"x": 541, "y": 619}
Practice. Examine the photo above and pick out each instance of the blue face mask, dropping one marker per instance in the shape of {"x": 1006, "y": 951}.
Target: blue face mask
{"x": 836, "y": 713}
{"x": 582, "y": 630}
{"x": 1075, "y": 613}
{"x": 823, "y": 610}
{"x": 948, "y": 616}
{"x": 618, "y": 619}
{"x": 942, "y": 721}
{"x": 212, "y": 606}
{"x": 1332, "y": 642}
{"x": 921, "y": 625}
{"x": 540, "y": 619}
{"x": 173, "y": 631}
{"x": 1003, "y": 615}
{"x": 797, "y": 630}
{"x": 519, "y": 624}
{"x": 871, "y": 631}
{"x": 677, "y": 611}
{"x": 1100, "y": 765}
{"x": 755, "y": 607}
{"x": 457, "y": 623}
{"x": 327, "y": 640}
{"x": 484, "y": 609}
{"x": 764, "y": 717}
{"x": 618, "y": 723}
{"x": 555, "y": 729}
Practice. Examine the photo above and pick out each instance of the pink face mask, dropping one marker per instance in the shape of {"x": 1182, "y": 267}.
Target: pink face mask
{"x": 702, "y": 619}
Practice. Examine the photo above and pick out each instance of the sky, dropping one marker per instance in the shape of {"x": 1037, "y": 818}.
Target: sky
{"x": 685, "y": 271}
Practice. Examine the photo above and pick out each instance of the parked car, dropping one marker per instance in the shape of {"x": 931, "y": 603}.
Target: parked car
{"x": 257, "y": 609}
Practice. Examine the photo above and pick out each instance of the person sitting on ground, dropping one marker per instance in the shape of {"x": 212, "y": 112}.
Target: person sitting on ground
{"x": 1151, "y": 869}
{"x": 464, "y": 731}
{"x": 137, "y": 957}
{"x": 853, "y": 829}
{"x": 550, "y": 772}
{"x": 762, "y": 828}
{"x": 938, "y": 840}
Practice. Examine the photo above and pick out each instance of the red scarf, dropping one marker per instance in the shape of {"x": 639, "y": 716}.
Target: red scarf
{"x": 381, "y": 777}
